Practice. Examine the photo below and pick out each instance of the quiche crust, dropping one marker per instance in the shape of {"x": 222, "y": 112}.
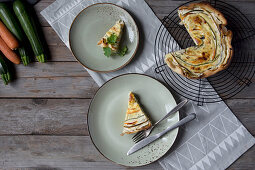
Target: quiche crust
{"x": 213, "y": 51}
{"x": 135, "y": 120}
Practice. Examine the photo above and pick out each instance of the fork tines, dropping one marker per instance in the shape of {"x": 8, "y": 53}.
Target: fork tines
{"x": 138, "y": 137}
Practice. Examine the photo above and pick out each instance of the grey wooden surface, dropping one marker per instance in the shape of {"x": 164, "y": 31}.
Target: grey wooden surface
{"x": 43, "y": 112}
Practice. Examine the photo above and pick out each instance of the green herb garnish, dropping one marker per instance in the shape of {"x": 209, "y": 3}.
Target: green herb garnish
{"x": 107, "y": 51}
{"x": 123, "y": 51}
{"x": 112, "y": 39}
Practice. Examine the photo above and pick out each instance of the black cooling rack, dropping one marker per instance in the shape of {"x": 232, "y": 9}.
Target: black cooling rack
{"x": 171, "y": 36}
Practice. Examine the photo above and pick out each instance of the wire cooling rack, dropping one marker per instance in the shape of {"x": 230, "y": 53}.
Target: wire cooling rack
{"x": 171, "y": 37}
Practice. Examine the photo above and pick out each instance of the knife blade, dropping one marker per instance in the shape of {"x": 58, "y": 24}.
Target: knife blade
{"x": 151, "y": 139}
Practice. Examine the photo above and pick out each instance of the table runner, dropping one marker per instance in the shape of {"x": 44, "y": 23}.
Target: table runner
{"x": 214, "y": 140}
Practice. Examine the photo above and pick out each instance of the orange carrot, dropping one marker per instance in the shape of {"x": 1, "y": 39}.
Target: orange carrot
{"x": 11, "y": 55}
{"x": 8, "y": 38}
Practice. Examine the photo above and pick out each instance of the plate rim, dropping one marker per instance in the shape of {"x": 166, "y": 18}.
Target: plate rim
{"x": 120, "y": 67}
{"x": 89, "y": 112}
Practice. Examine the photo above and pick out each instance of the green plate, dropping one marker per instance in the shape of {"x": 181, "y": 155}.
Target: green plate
{"x": 107, "y": 113}
{"x": 90, "y": 26}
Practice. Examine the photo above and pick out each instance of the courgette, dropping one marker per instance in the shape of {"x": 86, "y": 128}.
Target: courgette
{"x": 29, "y": 28}
{"x": 4, "y": 71}
{"x": 13, "y": 25}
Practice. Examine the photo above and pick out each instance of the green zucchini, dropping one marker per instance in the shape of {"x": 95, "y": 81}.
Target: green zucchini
{"x": 13, "y": 25}
{"x": 29, "y": 28}
{"x": 4, "y": 71}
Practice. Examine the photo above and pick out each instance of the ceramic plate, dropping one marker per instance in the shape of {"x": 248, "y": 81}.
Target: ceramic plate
{"x": 90, "y": 26}
{"x": 107, "y": 113}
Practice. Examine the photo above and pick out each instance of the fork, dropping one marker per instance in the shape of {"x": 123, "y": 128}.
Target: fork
{"x": 145, "y": 133}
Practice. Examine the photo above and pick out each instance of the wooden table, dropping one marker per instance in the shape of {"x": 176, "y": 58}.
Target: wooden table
{"x": 43, "y": 112}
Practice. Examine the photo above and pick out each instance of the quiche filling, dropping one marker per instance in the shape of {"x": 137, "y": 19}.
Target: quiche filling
{"x": 111, "y": 40}
{"x": 116, "y": 30}
{"x": 213, "y": 49}
{"x": 135, "y": 120}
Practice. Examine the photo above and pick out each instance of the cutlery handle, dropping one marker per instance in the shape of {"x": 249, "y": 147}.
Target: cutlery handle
{"x": 180, "y": 123}
{"x": 174, "y": 110}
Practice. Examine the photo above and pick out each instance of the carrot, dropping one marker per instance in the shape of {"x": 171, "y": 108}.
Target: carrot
{"x": 11, "y": 55}
{"x": 8, "y": 38}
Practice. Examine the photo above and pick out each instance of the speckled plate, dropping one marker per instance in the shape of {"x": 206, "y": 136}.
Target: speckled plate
{"x": 90, "y": 26}
{"x": 107, "y": 113}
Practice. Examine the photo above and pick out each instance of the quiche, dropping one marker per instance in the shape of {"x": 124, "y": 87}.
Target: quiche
{"x": 135, "y": 120}
{"x": 213, "y": 50}
{"x": 115, "y": 32}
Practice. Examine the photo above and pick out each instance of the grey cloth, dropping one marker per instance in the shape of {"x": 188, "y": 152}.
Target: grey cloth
{"x": 214, "y": 140}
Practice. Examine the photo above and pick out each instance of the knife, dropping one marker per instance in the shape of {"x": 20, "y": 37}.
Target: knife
{"x": 150, "y": 139}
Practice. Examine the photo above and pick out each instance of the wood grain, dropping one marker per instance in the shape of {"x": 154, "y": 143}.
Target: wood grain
{"x": 60, "y": 53}
{"x": 51, "y": 69}
{"x": 43, "y": 112}
{"x": 63, "y": 152}
{"x": 73, "y": 82}
{"x": 50, "y": 87}
{"x": 52, "y": 39}
{"x": 39, "y": 7}
{"x": 162, "y": 8}
{"x": 247, "y": 93}
{"x": 44, "y": 116}
{"x": 68, "y": 116}
{"x": 244, "y": 110}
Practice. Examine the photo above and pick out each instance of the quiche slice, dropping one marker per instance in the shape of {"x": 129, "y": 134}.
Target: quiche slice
{"x": 117, "y": 31}
{"x": 213, "y": 50}
{"x": 135, "y": 120}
